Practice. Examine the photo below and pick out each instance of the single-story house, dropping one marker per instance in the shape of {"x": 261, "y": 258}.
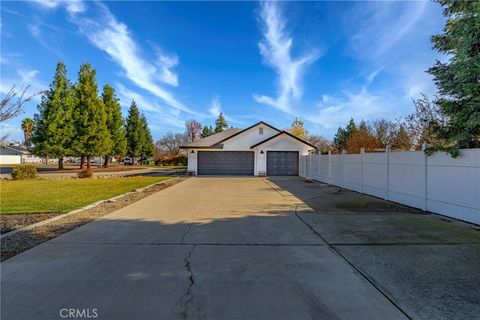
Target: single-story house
{"x": 16, "y": 154}
{"x": 257, "y": 150}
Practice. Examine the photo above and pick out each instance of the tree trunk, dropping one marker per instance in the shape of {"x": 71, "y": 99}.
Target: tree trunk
{"x": 89, "y": 162}
{"x": 82, "y": 162}
{"x": 105, "y": 163}
{"x": 46, "y": 160}
{"x": 60, "y": 163}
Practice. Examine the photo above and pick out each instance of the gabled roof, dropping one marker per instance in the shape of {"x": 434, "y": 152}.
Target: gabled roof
{"x": 16, "y": 148}
{"x": 279, "y": 134}
{"x": 218, "y": 138}
{"x": 211, "y": 141}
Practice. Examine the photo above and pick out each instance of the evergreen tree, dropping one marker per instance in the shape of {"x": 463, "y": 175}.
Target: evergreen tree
{"x": 92, "y": 136}
{"x": 54, "y": 122}
{"x": 297, "y": 129}
{"x": 221, "y": 123}
{"x": 402, "y": 139}
{"x": 207, "y": 131}
{"x": 134, "y": 132}
{"x": 342, "y": 135}
{"x": 148, "y": 147}
{"x": 115, "y": 124}
{"x": 458, "y": 79}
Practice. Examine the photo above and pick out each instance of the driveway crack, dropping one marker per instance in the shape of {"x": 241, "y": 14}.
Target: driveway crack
{"x": 186, "y": 233}
{"x": 187, "y": 298}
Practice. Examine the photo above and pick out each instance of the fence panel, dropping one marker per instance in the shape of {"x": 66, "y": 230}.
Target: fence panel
{"x": 437, "y": 183}
{"x": 454, "y": 185}
{"x": 375, "y": 174}
{"x": 406, "y": 183}
{"x": 353, "y": 172}
{"x": 336, "y": 165}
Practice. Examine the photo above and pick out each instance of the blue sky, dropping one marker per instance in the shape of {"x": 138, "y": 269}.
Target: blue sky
{"x": 321, "y": 61}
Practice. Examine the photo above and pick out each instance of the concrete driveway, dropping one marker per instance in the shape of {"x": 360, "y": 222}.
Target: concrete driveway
{"x": 251, "y": 248}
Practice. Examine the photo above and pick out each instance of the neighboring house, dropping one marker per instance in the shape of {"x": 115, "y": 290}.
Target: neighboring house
{"x": 257, "y": 150}
{"x": 15, "y": 154}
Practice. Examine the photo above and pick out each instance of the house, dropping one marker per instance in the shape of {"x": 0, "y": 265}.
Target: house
{"x": 257, "y": 150}
{"x": 16, "y": 154}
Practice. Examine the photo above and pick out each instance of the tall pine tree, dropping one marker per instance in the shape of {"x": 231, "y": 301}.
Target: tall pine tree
{"x": 221, "y": 123}
{"x": 134, "y": 132}
{"x": 92, "y": 136}
{"x": 115, "y": 124}
{"x": 148, "y": 147}
{"x": 458, "y": 79}
{"x": 54, "y": 123}
{"x": 207, "y": 131}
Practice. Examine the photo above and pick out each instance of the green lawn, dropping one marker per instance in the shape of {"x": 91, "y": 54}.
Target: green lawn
{"x": 26, "y": 196}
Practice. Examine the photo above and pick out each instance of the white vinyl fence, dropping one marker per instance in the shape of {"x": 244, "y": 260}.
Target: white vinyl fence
{"x": 437, "y": 183}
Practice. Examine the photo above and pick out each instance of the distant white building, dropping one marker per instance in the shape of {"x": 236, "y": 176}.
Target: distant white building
{"x": 16, "y": 154}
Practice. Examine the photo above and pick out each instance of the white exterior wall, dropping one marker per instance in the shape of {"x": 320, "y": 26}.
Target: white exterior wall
{"x": 245, "y": 140}
{"x": 192, "y": 161}
{"x": 437, "y": 183}
{"x": 10, "y": 159}
{"x": 280, "y": 143}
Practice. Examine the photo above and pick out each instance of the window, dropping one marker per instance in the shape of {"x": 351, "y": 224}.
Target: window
{"x": 260, "y": 130}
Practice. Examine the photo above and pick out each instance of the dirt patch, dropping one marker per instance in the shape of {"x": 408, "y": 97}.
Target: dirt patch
{"x": 10, "y": 222}
{"x": 24, "y": 240}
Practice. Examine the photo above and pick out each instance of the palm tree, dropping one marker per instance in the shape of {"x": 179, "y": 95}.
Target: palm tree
{"x": 27, "y": 127}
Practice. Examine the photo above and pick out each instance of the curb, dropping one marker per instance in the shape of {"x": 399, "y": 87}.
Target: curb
{"x": 90, "y": 206}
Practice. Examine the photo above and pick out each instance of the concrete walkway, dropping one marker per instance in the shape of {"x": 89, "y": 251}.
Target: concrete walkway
{"x": 249, "y": 248}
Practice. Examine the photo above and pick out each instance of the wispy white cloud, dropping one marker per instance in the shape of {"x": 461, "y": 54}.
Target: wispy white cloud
{"x": 113, "y": 37}
{"x": 24, "y": 77}
{"x": 216, "y": 107}
{"x": 159, "y": 115}
{"x": 384, "y": 37}
{"x": 95, "y": 21}
{"x": 377, "y": 27}
{"x": 72, "y": 6}
{"x": 275, "y": 49}
{"x": 333, "y": 112}
{"x": 126, "y": 95}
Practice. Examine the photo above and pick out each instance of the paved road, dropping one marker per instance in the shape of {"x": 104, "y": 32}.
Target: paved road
{"x": 251, "y": 248}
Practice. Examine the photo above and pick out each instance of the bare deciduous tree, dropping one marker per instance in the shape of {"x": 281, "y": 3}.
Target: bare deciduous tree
{"x": 12, "y": 104}
{"x": 322, "y": 144}
{"x": 421, "y": 123}
{"x": 169, "y": 144}
{"x": 384, "y": 131}
{"x": 193, "y": 130}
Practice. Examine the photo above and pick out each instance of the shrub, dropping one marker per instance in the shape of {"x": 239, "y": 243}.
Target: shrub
{"x": 85, "y": 173}
{"x": 24, "y": 172}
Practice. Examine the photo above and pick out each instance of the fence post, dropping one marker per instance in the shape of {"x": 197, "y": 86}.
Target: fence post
{"x": 387, "y": 165}
{"x": 425, "y": 181}
{"x": 362, "y": 153}
{"x": 343, "y": 168}
{"x": 310, "y": 159}
{"x": 329, "y": 178}
{"x": 310, "y": 175}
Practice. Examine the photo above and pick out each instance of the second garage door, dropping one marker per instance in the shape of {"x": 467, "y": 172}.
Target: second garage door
{"x": 235, "y": 163}
{"x": 282, "y": 163}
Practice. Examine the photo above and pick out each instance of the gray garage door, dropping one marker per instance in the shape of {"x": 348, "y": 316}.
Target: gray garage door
{"x": 282, "y": 163}
{"x": 235, "y": 163}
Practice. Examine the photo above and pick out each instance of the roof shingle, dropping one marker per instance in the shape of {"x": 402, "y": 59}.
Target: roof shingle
{"x": 213, "y": 139}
